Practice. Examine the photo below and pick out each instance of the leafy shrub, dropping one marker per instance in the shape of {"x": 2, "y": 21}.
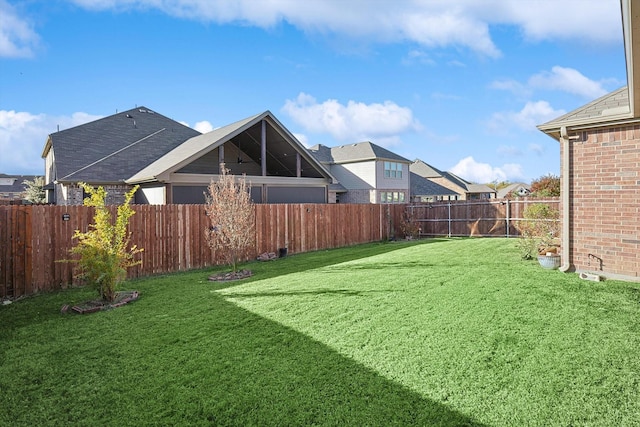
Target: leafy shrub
{"x": 103, "y": 252}
{"x": 539, "y": 230}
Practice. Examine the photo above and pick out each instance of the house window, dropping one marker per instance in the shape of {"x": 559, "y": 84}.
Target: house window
{"x": 392, "y": 170}
{"x": 392, "y": 197}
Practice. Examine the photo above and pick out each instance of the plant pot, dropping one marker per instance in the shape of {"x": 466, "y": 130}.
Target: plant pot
{"x": 549, "y": 262}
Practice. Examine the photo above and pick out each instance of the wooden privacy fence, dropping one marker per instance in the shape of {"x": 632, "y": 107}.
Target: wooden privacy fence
{"x": 488, "y": 218}
{"x": 34, "y": 238}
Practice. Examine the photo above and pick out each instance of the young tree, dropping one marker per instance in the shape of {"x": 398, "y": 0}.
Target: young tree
{"x": 34, "y": 191}
{"x": 231, "y": 216}
{"x": 104, "y": 252}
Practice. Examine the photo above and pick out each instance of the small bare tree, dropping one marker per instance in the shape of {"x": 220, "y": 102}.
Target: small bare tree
{"x": 231, "y": 216}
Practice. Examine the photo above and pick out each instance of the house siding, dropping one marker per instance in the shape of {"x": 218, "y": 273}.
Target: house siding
{"x": 356, "y": 176}
{"x": 392, "y": 184}
{"x": 605, "y": 195}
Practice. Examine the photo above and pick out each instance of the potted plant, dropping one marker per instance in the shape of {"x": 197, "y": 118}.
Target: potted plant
{"x": 540, "y": 233}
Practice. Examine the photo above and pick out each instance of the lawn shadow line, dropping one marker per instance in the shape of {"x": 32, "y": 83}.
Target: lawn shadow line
{"x": 318, "y": 259}
{"x": 260, "y": 372}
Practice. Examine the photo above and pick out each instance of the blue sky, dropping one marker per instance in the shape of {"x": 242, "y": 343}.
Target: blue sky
{"x": 459, "y": 84}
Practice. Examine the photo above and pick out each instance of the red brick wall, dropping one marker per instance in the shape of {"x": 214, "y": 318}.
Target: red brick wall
{"x": 605, "y": 193}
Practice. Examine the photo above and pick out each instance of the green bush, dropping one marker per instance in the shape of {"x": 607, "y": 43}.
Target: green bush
{"x": 539, "y": 230}
{"x": 103, "y": 252}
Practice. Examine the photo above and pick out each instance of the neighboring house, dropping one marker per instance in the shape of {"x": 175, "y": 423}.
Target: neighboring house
{"x": 367, "y": 173}
{"x": 12, "y": 187}
{"x": 464, "y": 190}
{"x": 519, "y": 189}
{"x": 173, "y": 163}
{"x": 600, "y": 172}
{"x": 423, "y": 190}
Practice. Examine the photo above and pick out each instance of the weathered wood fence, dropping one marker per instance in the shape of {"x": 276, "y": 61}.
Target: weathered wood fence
{"x": 482, "y": 218}
{"x": 34, "y": 238}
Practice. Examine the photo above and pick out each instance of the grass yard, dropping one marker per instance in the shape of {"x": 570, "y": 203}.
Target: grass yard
{"x": 436, "y": 332}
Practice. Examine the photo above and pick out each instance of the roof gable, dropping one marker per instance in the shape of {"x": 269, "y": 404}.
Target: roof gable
{"x": 113, "y": 148}
{"x": 245, "y": 136}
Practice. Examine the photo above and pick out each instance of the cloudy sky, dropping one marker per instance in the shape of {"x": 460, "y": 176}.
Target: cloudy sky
{"x": 460, "y": 84}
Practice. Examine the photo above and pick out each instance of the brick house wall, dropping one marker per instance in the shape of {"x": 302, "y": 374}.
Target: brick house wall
{"x": 73, "y": 194}
{"x": 605, "y": 195}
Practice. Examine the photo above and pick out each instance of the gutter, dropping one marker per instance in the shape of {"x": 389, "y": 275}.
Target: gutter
{"x": 565, "y": 141}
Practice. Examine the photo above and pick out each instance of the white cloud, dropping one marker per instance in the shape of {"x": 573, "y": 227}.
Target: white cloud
{"x": 418, "y": 57}
{"x": 536, "y": 149}
{"x": 509, "y": 151}
{"x": 532, "y": 114}
{"x": 203, "y": 126}
{"x": 302, "y": 138}
{"x": 512, "y": 86}
{"x": 464, "y": 23}
{"x": 17, "y": 38}
{"x": 355, "y": 121}
{"x": 567, "y": 80}
{"x": 482, "y": 173}
{"x": 588, "y": 20}
{"x": 23, "y": 135}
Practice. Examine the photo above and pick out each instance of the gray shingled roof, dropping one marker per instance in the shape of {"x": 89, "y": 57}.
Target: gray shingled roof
{"x": 116, "y": 147}
{"x": 425, "y": 170}
{"x": 421, "y": 186}
{"x": 14, "y": 183}
{"x": 357, "y": 152}
{"x": 612, "y": 106}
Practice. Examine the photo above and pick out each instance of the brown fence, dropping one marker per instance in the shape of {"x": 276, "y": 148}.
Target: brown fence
{"x": 34, "y": 238}
{"x": 488, "y": 218}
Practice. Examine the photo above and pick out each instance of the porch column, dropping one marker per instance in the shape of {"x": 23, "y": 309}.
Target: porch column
{"x": 220, "y": 154}
{"x": 298, "y": 165}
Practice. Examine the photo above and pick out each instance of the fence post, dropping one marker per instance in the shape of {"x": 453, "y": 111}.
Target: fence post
{"x": 507, "y": 215}
{"x": 449, "y": 220}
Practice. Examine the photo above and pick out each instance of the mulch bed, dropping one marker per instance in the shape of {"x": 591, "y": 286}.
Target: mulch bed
{"x": 87, "y": 307}
{"x": 231, "y": 276}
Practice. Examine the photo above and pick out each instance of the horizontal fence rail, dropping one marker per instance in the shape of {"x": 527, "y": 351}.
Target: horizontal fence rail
{"x": 482, "y": 218}
{"x": 33, "y": 239}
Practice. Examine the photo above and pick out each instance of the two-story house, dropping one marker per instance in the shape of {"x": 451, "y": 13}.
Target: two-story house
{"x": 367, "y": 173}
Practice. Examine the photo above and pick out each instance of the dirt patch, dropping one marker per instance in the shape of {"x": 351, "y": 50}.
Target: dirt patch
{"x": 87, "y": 307}
{"x": 231, "y": 276}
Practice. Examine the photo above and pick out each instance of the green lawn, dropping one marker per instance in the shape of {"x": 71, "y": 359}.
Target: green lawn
{"x": 444, "y": 332}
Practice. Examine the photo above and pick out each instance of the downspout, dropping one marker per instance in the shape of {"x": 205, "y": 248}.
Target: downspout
{"x": 565, "y": 143}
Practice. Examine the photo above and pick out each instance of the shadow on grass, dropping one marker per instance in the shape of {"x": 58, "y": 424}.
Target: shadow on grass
{"x": 199, "y": 360}
{"x": 295, "y": 380}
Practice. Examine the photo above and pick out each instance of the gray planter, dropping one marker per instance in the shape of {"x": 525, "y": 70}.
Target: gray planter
{"x": 549, "y": 262}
